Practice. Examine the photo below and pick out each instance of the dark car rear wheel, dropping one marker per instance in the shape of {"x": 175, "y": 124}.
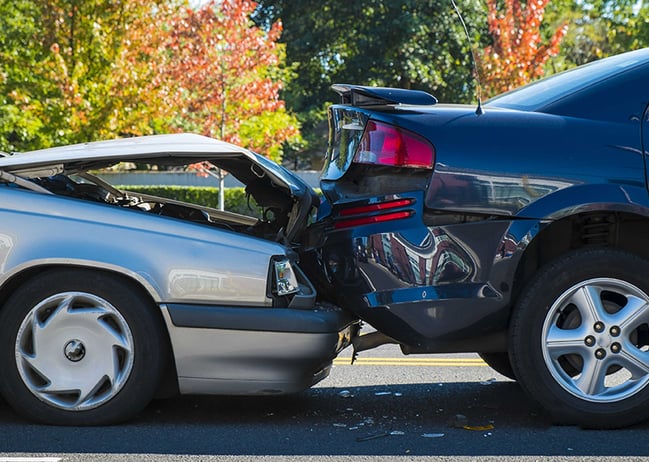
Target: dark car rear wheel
{"x": 500, "y": 363}
{"x": 580, "y": 338}
{"x": 79, "y": 348}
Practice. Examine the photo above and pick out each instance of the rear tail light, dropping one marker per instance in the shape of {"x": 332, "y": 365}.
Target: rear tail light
{"x": 385, "y": 144}
{"x": 367, "y": 214}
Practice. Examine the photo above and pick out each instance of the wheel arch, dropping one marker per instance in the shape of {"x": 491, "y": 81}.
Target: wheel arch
{"x": 613, "y": 228}
{"x": 29, "y": 269}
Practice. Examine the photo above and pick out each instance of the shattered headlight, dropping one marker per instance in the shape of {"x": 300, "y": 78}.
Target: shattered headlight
{"x": 285, "y": 279}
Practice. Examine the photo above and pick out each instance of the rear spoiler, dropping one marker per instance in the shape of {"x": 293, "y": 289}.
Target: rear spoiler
{"x": 358, "y": 95}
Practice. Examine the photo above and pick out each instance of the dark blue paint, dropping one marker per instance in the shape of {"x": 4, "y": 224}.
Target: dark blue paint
{"x": 574, "y": 143}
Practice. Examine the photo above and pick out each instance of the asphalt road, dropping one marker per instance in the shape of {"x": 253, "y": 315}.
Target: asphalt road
{"x": 385, "y": 407}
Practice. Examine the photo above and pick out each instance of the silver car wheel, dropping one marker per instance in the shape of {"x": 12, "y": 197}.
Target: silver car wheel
{"x": 590, "y": 340}
{"x": 74, "y": 351}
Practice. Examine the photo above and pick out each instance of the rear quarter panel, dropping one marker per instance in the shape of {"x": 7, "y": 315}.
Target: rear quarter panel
{"x": 504, "y": 160}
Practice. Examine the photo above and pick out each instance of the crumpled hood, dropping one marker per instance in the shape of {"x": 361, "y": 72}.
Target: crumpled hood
{"x": 267, "y": 182}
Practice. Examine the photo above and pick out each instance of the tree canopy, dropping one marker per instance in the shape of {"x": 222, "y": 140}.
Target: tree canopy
{"x": 517, "y": 53}
{"x": 405, "y": 43}
{"x": 79, "y": 70}
{"x": 417, "y": 44}
{"x": 55, "y": 68}
{"x": 254, "y": 72}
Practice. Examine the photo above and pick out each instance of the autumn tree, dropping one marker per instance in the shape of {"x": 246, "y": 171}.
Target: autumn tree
{"x": 56, "y": 60}
{"x": 210, "y": 71}
{"x": 598, "y": 28}
{"x": 416, "y": 44}
{"x": 81, "y": 70}
{"x": 518, "y": 52}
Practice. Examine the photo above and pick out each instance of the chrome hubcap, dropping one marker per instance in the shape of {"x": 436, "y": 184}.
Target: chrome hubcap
{"x": 595, "y": 340}
{"x": 74, "y": 351}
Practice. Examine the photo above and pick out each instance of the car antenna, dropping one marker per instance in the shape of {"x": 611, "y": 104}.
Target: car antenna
{"x": 479, "y": 110}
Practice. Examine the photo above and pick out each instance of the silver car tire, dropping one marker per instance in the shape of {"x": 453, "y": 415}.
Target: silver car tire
{"x": 79, "y": 348}
{"x": 579, "y": 339}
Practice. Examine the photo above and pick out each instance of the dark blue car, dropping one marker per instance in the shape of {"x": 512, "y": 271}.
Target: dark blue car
{"x": 517, "y": 230}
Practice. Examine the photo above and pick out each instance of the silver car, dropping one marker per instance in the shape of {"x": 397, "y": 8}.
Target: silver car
{"x": 109, "y": 298}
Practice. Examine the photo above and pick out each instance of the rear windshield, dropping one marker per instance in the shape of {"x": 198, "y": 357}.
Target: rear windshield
{"x": 543, "y": 92}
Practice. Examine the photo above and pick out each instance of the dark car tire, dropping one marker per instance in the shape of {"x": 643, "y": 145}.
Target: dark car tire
{"x": 500, "y": 363}
{"x": 79, "y": 348}
{"x": 578, "y": 335}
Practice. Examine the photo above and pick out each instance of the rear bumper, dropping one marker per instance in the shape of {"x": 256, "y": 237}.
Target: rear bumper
{"x": 253, "y": 351}
{"x": 432, "y": 287}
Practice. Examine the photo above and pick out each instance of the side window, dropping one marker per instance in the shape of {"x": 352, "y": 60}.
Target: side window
{"x": 618, "y": 100}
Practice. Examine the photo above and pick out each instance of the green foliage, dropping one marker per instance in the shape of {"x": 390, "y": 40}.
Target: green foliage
{"x": 79, "y": 70}
{"x": 267, "y": 125}
{"x": 640, "y": 24}
{"x": 56, "y": 59}
{"x": 418, "y": 44}
{"x": 235, "y": 199}
{"x": 21, "y": 89}
{"x": 598, "y": 28}
{"x": 404, "y": 43}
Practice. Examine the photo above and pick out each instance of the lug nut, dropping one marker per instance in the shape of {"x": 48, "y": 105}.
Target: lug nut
{"x": 589, "y": 341}
{"x": 600, "y": 354}
{"x": 615, "y": 331}
{"x": 616, "y": 347}
{"x": 599, "y": 326}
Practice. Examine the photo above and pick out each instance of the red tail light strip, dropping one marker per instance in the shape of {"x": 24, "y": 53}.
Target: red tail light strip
{"x": 376, "y": 207}
{"x": 351, "y": 222}
{"x": 371, "y": 219}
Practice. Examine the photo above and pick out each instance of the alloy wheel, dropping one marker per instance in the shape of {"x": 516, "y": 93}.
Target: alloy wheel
{"x": 595, "y": 340}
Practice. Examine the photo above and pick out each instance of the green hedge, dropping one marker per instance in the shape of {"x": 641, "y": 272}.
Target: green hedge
{"x": 234, "y": 198}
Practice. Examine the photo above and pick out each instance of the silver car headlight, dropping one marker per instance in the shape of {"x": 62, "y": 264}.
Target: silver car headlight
{"x": 285, "y": 279}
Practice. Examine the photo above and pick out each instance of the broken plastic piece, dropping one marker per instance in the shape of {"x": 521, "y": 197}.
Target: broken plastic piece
{"x": 433, "y": 435}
